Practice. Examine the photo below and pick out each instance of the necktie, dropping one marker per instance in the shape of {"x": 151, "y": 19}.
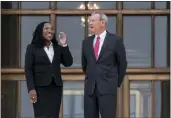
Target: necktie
{"x": 96, "y": 47}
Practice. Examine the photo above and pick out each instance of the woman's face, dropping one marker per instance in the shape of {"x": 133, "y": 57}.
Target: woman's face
{"x": 48, "y": 31}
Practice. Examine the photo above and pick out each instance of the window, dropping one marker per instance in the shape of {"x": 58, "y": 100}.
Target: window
{"x": 137, "y": 40}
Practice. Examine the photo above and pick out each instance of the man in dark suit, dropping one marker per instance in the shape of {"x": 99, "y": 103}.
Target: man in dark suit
{"x": 104, "y": 64}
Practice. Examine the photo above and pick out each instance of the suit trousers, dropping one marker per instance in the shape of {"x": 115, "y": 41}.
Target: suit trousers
{"x": 100, "y": 104}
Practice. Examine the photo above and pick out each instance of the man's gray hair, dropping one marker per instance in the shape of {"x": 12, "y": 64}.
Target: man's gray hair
{"x": 102, "y": 16}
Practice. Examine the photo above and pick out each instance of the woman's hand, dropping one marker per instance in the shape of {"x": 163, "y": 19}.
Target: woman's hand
{"x": 33, "y": 96}
{"x": 62, "y": 39}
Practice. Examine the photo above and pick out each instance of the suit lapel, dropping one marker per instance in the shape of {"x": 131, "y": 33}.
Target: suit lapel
{"x": 104, "y": 45}
{"x": 46, "y": 56}
{"x": 55, "y": 52}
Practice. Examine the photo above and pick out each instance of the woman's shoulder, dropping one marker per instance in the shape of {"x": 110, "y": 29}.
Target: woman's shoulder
{"x": 30, "y": 46}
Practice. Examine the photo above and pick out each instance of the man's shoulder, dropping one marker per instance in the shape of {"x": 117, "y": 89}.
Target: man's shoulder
{"x": 88, "y": 38}
{"x": 114, "y": 36}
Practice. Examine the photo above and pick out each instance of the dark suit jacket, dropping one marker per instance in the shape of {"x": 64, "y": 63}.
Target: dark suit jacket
{"x": 109, "y": 70}
{"x": 38, "y": 68}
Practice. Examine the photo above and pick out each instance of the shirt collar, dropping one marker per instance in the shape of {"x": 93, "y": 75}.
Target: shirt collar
{"x": 102, "y": 35}
{"x": 51, "y": 44}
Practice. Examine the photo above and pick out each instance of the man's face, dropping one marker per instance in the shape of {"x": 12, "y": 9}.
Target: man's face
{"x": 95, "y": 23}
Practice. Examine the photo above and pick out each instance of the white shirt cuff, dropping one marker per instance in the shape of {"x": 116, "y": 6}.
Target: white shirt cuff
{"x": 64, "y": 45}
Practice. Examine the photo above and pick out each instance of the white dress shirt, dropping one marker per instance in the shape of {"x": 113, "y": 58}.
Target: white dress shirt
{"x": 102, "y": 38}
{"x": 49, "y": 51}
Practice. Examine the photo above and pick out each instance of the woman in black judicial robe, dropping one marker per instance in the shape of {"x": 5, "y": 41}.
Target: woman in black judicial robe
{"x": 42, "y": 70}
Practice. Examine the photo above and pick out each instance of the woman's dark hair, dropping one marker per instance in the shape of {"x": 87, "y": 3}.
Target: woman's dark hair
{"x": 38, "y": 38}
